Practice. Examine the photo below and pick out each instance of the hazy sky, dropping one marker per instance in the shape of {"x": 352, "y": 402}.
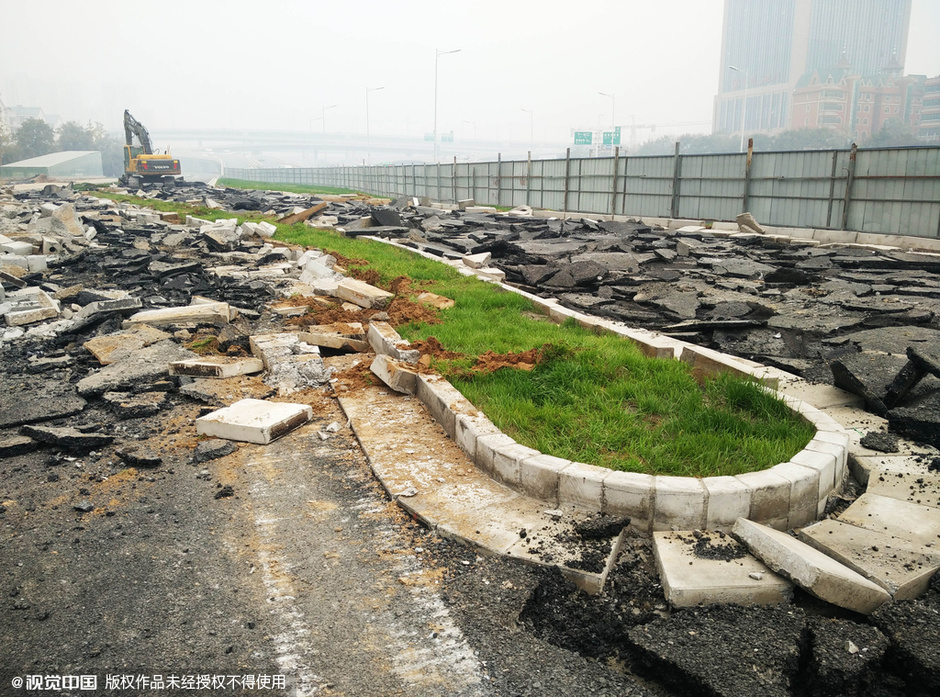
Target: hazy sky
{"x": 277, "y": 64}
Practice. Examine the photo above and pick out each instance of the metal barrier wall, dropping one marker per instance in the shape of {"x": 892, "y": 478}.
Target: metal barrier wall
{"x": 892, "y": 191}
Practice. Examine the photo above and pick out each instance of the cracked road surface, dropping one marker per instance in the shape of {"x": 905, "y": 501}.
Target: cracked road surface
{"x": 307, "y": 571}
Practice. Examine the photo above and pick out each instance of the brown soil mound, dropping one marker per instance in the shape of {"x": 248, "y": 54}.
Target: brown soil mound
{"x": 432, "y": 347}
{"x": 490, "y": 362}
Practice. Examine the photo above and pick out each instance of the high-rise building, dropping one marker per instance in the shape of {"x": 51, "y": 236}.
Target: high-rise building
{"x": 769, "y": 45}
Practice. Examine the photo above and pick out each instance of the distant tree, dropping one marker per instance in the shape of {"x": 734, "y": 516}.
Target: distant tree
{"x": 6, "y": 143}
{"x": 803, "y": 139}
{"x": 72, "y": 135}
{"x": 893, "y": 133}
{"x": 112, "y": 153}
{"x": 33, "y": 138}
{"x": 691, "y": 144}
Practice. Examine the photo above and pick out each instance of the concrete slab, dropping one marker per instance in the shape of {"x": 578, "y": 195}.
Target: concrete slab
{"x": 362, "y": 294}
{"x": 718, "y": 571}
{"x": 167, "y": 316}
{"x": 216, "y": 367}
{"x": 339, "y": 335}
{"x": 910, "y": 482}
{"x": 432, "y": 478}
{"x": 815, "y": 572}
{"x": 908, "y": 521}
{"x": 728, "y": 500}
{"x": 396, "y": 374}
{"x": 254, "y": 420}
{"x": 383, "y": 338}
{"x": 902, "y": 569}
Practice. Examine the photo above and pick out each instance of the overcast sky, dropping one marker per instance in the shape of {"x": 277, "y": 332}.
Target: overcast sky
{"x": 284, "y": 64}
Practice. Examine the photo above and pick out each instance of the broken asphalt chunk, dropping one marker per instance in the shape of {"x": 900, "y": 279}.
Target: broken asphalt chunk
{"x": 67, "y": 438}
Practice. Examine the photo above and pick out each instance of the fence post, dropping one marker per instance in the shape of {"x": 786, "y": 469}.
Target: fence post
{"x": 623, "y": 196}
{"x": 455, "y": 180}
{"x": 848, "y": 186}
{"x": 499, "y": 178}
{"x": 564, "y": 205}
{"x": 528, "y": 180}
{"x": 674, "y": 208}
{"x": 613, "y": 193}
{"x": 747, "y": 174}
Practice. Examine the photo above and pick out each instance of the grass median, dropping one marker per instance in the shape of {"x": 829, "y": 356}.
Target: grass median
{"x": 579, "y": 395}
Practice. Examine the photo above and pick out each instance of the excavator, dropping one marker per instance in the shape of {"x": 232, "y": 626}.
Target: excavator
{"x": 141, "y": 163}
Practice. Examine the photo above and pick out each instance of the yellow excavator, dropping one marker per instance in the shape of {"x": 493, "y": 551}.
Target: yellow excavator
{"x": 141, "y": 163}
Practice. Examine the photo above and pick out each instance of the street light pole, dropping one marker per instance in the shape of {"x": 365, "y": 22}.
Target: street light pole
{"x": 323, "y": 116}
{"x": 531, "y": 129}
{"x": 613, "y": 109}
{"x": 437, "y": 54}
{"x": 368, "y": 135}
{"x": 743, "y": 105}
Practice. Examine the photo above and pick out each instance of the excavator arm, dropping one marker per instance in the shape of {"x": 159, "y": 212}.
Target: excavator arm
{"x": 133, "y": 127}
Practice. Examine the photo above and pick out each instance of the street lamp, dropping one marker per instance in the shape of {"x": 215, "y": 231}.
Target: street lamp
{"x": 531, "y": 129}
{"x": 744, "y": 104}
{"x": 613, "y": 111}
{"x": 368, "y": 135}
{"x": 323, "y": 115}
{"x": 437, "y": 54}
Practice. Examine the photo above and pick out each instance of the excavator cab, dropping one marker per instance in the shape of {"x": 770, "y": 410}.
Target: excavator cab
{"x": 141, "y": 164}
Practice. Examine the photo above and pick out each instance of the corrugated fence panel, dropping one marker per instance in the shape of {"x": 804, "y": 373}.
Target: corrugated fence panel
{"x": 648, "y": 186}
{"x": 894, "y": 190}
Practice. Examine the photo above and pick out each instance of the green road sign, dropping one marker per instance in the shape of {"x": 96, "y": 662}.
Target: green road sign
{"x": 582, "y": 137}
{"x": 612, "y": 137}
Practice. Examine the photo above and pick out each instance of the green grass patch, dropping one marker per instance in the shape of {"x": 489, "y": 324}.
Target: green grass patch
{"x": 290, "y": 188}
{"x": 593, "y": 398}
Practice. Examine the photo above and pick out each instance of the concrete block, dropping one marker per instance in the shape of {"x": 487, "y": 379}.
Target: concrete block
{"x": 14, "y": 260}
{"x": 912, "y": 522}
{"x": 116, "y": 305}
{"x": 396, "y": 374}
{"x": 212, "y": 312}
{"x": 825, "y": 464}
{"x": 438, "y": 395}
{"x": 339, "y": 335}
{"x": 804, "y": 493}
{"x": 733, "y": 576}
{"x": 477, "y": 261}
{"x": 507, "y": 462}
{"x": 842, "y": 441}
{"x": 36, "y": 263}
{"x": 486, "y": 451}
{"x": 216, "y": 367}
{"x": 384, "y": 339}
{"x": 770, "y": 497}
{"x": 469, "y": 427}
{"x": 728, "y": 500}
{"x": 680, "y": 503}
{"x": 902, "y": 569}
{"x": 17, "y": 247}
{"x": 630, "y": 494}
{"x": 539, "y": 476}
{"x": 582, "y": 485}
{"x": 29, "y": 305}
{"x": 254, "y": 420}
{"x": 809, "y": 568}
{"x": 489, "y": 273}
{"x": 362, "y": 294}
{"x": 707, "y": 362}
